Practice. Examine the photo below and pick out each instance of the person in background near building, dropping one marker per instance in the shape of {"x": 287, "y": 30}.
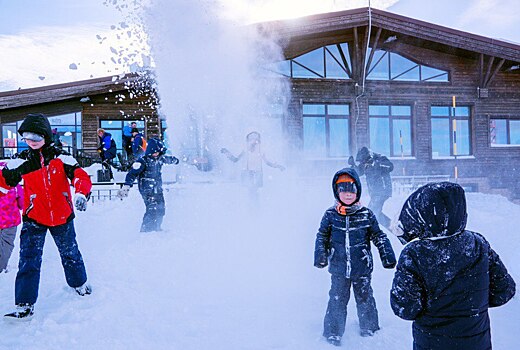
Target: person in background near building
{"x": 107, "y": 149}
{"x": 48, "y": 173}
{"x": 447, "y": 277}
{"x": 138, "y": 144}
{"x": 252, "y": 159}
{"x": 376, "y": 168}
{"x": 343, "y": 239}
{"x": 56, "y": 138}
{"x": 147, "y": 171}
{"x": 11, "y": 202}
{"x": 127, "y": 139}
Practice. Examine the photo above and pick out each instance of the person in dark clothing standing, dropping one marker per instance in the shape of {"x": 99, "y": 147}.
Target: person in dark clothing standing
{"x": 107, "y": 149}
{"x": 47, "y": 173}
{"x": 343, "y": 243}
{"x": 138, "y": 144}
{"x": 127, "y": 140}
{"x": 376, "y": 168}
{"x": 147, "y": 171}
{"x": 447, "y": 276}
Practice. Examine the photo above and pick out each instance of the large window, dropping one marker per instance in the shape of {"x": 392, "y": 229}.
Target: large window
{"x": 391, "y": 66}
{"x": 67, "y": 126}
{"x": 504, "y": 132}
{"x": 331, "y": 62}
{"x": 391, "y": 130}
{"x": 450, "y": 131}
{"x": 115, "y": 128}
{"x": 326, "y": 130}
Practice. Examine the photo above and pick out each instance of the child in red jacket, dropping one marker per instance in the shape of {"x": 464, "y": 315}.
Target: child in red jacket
{"x": 47, "y": 172}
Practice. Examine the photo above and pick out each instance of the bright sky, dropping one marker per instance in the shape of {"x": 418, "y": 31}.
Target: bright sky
{"x": 54, "y": 41}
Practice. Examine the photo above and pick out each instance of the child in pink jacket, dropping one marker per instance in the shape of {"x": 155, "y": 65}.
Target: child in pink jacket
{"x": 11, "y": 202}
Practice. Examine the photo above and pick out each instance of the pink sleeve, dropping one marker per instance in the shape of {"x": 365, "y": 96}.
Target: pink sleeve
{"x": 19, "y": 196}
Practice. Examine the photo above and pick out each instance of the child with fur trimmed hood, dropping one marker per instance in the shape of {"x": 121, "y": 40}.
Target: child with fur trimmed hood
{"x": 447, "y": 277}
{"x": 343, "y": 243}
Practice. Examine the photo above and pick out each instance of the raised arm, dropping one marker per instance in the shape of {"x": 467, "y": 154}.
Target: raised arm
{"x": 272, "y": 164}
{"x": 230, "y": 156}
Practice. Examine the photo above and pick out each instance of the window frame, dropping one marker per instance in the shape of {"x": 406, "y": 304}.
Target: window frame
{"x": 453, "y": 116}
{"x": 391, "y": 118}
{"x": 328, "y": 117}
{"x": 508, "y": 133}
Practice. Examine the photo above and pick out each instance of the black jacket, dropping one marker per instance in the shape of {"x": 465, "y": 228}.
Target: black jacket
{"x": 343, "y": 241}
{"x": 376, "y": 168}
{"x": 148, "y": 169}
{"x": 446, "y": 280}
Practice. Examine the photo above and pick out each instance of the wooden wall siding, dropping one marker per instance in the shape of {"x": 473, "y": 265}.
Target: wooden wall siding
{"x": 49, "y": 109}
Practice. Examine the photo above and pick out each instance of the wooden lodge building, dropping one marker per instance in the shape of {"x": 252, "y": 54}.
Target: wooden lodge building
{"x": 436, "y": 100}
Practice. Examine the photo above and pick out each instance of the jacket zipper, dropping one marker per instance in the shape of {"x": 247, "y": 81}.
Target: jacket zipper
{"x": 347, "y": 246}
{"x": 46, "y": 183}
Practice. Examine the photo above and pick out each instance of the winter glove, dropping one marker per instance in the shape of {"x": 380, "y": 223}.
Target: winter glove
{"x": 320, "y": 260}
{"x": 80, "y": 202}
{"x": 389, "y": 261}
{"x": 123, "y": 192}
{"x": 175, "y": 160}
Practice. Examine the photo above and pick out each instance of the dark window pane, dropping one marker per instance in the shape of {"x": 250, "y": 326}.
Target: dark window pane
{"x": 378, "y": 110}
{"x": 338, "y": 109}
{"x": 498, "y": 131}
{"x": 312, "y": 60}
{"x": 399, "y": 65}
{"x": 514, "y": 131}
{"x": 313, "y": 109}
{"x": 463, "y": 139}
{"x": 338, "y": 137}
{"x": 380, "y": 68}
{"x": 402, "y": 137}
{"x": 404, "y": 111}
{"x": 314, "y": 141}
{"x": 440, "y": 111}
{"x": 440, "y": 137}
{"x": 380, "y": 135}
{"x": 432, "y": 74}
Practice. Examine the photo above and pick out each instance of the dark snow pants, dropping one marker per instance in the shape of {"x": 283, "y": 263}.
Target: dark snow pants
{"x": 155, "y": 210}
{"x": 339, "y": 295}
{"x": 376, "y": 205}
{"x": 32, "y": 239}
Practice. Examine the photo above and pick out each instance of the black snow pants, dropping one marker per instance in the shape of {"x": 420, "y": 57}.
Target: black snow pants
{"x": 155, "y": 210}
{"x": 339, "y": 295}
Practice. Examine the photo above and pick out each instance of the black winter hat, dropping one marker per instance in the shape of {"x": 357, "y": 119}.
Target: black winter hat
{"x": 363, "y": 155}
{"x": 135, "y": 130}
{"x": 38, "y": 124}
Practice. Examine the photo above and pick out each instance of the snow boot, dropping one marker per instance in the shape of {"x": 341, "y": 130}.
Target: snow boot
{"x": 24, "y": 312}
{"x": 84, "y": 289}
{"x": 366, "y": 333}
{"x": 334, "y": 340}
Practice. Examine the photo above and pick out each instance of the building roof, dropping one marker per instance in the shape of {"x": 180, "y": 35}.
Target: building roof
{"x": 63, "y": 92}
{"x": 301, "y": 35}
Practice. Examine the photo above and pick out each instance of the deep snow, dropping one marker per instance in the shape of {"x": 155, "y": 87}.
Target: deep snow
{"x": 224, "y": 274}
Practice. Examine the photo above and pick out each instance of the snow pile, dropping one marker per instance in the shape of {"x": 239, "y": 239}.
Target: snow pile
{"x": 225, "y": 274}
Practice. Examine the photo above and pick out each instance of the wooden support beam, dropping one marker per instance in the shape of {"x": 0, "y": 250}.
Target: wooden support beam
{"x": 495, "y": 71}
{"x": 344, "y": 60}
{"x": 355, "y": 59}
{"x": 374, "y": 48}
{"x": 481, "y": 70}
{"x": 488, "y": 70}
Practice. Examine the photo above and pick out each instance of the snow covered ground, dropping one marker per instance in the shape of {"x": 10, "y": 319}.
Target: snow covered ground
{"x": 224, "y": 274}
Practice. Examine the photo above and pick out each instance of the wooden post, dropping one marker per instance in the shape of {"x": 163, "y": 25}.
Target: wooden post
{"x": 456, "y": 170}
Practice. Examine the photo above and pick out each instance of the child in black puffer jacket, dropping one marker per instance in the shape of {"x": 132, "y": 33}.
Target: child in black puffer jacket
{"x": 343, "y": 243}
{"x": 446, "y": 279}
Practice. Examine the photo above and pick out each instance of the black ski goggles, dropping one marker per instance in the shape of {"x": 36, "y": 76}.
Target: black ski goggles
{"x": 346, "y": 187}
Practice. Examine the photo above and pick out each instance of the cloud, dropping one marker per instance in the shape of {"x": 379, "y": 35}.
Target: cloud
{"x": 62, "y": 54}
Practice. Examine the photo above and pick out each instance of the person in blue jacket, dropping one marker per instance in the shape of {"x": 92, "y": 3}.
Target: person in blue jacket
{"x": 107, "y": 149}
{"x": 343, "y": 243}
{"x": 147, "y": 171}
{"x": 138, "y": 144}
{"x": 447, "y": 277}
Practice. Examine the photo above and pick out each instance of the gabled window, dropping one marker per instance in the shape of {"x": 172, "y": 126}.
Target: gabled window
{"x": 391, "y": 66}
{"x": 332, "y": 62}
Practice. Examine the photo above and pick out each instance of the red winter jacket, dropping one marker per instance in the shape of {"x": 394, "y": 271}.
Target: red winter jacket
{"x": 46, "y": 174}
